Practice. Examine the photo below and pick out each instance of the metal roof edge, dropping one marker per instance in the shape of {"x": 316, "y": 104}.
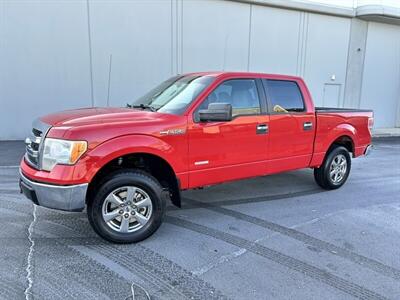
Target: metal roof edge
{"x": 377, "y": 13}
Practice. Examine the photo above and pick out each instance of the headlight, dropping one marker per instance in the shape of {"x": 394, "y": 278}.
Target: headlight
{"x": 61, "y": 152}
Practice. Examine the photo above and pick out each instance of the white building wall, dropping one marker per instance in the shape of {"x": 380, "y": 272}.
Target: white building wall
{"x": 381, "y": 78}
{"x": 44, "y": 61}
{"x": 326, "y": 58}
{"x": 56, "y": 55}
{"x": 215, "y": 35}
{"x": 275, "y": 34}
{"x": 131, "y": 48}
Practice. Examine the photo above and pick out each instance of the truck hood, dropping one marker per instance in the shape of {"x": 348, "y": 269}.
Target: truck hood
{"x": 97, "y": 115}
{"x": 97, "y": 125}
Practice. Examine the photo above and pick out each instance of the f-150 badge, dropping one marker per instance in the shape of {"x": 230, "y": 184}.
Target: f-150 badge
{"x": 176, "y": 131}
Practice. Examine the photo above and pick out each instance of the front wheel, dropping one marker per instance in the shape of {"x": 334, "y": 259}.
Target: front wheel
{"x": 335, "y": 170}
{"x": 128, "y": 207}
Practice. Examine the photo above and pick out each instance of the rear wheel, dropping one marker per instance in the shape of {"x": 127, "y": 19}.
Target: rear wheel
{"x": 128, "y": 207}
{"x": 335, "y": 170}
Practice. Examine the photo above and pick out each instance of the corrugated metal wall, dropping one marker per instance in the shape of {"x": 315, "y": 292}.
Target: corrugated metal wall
{"x": 56, "y": 55}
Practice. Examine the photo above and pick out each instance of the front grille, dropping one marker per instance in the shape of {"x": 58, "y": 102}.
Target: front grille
{"x": 36, "y": 132}
{"x": 32, "y": 148}
{"x": 34, "y": 143}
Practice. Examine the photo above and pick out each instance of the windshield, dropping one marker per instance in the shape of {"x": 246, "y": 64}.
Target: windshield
{"x": 175, "y": 94}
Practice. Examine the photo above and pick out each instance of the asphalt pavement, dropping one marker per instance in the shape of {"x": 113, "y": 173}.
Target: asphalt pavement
{"x": 273, "y": 237}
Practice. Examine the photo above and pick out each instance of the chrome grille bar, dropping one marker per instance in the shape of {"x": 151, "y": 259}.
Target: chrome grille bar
{"x": 34, "y": 143}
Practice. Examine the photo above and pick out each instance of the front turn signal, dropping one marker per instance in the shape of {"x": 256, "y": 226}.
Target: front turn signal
{"x": 78, "y": 149}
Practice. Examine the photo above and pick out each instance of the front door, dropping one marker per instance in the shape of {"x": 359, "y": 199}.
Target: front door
{"x": 223, "y": 151}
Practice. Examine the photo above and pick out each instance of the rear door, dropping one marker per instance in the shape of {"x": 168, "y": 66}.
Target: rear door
{"x": 291, "y": 126}
{"x": 222, "y": 151}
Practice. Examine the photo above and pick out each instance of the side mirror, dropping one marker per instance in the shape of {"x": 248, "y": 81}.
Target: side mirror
{"x": 216, "y": 112}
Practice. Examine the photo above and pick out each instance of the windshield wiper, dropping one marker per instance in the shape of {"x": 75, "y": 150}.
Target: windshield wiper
{"x": 141, "y": 106}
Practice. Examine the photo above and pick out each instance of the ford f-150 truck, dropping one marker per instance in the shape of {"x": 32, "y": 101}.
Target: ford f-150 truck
{"x": 191, "y": 131}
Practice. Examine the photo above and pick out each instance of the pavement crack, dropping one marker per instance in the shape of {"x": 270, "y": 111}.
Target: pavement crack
{"x": 223, "y": 259}
{"x": 138, "y": 290}
{"x": 29, "y": 266}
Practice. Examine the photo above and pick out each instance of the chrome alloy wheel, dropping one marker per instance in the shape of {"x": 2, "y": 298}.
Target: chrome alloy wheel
{"x": 338, "y": 168}
{"x": 127, "y": 209}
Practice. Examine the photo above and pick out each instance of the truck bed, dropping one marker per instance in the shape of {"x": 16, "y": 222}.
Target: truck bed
{"x": 355, "y": 121}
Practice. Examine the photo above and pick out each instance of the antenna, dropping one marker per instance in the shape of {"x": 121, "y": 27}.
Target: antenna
{"x": 225, "y": 51}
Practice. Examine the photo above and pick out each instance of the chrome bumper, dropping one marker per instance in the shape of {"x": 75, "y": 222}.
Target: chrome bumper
{"x": 69, "y": 198}
{"x": 368, "y": 150}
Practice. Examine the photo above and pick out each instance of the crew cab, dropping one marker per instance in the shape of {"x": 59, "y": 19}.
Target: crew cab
{"x": 191, "y": 131}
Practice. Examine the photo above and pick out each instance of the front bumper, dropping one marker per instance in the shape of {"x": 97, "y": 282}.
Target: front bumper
{"x": 68, "y": 198}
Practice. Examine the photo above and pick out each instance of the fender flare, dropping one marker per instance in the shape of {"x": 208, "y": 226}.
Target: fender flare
{"x": 342, "y": 130}
{"x": 128, "y": 144}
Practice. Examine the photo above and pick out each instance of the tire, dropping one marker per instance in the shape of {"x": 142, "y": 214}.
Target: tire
{"x": 323, "y": 175}
{"x": 127, "y": 191}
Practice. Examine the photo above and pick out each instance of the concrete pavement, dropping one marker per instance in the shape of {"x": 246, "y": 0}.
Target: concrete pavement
{"x": 274, "y": 237}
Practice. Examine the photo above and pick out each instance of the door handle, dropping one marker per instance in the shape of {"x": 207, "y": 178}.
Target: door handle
{"x": 307, "y": 125}
{"x": 262, "y": 129}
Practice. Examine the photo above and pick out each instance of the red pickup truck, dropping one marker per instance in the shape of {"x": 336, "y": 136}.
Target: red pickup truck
{"x": 191, "y": 131}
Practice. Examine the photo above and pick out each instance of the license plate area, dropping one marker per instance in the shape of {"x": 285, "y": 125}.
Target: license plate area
{"x": 28, "y": 192}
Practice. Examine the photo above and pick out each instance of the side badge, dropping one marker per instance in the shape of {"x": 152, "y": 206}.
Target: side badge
{"x": 202, "y": 162}
{"x": 176, "y": 131}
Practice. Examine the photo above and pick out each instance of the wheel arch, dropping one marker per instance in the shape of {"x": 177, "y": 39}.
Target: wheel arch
{"x": 344, "y": 135}
{"x": 345, "y": 141}
{"x": 140, "y": 152}
{"x": 148, "y": 162}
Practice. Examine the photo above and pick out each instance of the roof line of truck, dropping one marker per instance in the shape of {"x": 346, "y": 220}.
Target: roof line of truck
{"x": 240, "y": 73}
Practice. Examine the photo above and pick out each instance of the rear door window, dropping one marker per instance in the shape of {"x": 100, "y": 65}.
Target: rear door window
{"x": 284, "y": 96}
